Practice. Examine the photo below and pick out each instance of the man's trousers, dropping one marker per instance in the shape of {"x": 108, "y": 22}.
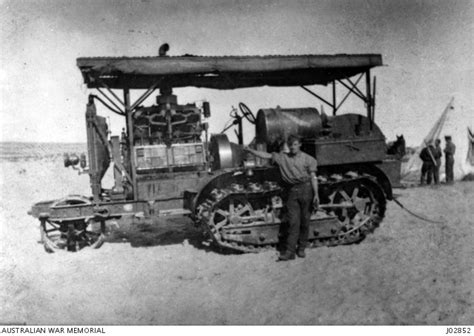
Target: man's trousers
{"x": 299, "y": 204}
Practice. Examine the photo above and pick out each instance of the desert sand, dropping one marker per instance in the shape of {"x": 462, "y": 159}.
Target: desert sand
{"x": 408, "y": 272}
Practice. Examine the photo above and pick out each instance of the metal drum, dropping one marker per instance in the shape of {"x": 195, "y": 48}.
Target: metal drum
{"x": 221, "y": 151}
{"x": 277, "y": 124}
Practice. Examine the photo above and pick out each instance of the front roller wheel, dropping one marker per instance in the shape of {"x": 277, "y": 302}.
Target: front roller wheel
{"x": 71, "y": 236}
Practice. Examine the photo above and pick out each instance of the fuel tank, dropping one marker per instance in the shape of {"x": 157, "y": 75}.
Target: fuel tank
{"x": 277, "y": 124}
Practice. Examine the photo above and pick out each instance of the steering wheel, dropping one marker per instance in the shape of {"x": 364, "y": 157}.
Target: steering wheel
{"x": 248, "y": 114}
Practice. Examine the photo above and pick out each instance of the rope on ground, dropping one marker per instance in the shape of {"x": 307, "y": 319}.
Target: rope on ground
{"x": 414, "y": 214}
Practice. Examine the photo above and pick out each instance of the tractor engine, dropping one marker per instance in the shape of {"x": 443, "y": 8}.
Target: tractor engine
{"x": 168, "y": 149}
{"x": 167, "y": 136}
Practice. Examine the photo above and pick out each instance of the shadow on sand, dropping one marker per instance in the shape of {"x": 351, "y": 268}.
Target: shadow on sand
{"x": 160, "y": 232}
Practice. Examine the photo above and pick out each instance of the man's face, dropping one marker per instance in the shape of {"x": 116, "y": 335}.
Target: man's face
{"x": 294, "y": 147}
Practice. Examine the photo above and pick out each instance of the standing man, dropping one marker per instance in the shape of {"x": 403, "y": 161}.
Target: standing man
{"x": 429, "y": 162}
{"x": 449, "y": 151}
{"x": 298, "y": 171}
{"x": 437, "y": 153}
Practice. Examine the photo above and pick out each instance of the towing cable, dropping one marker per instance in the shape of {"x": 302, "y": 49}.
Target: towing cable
{"x": 414, "y": 214}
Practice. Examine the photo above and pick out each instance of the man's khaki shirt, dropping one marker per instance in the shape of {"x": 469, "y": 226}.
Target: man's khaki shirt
{"x": 297, "y": 168}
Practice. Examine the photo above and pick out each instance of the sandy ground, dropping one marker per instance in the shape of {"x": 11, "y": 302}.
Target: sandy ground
{"x": 408, "y": 272}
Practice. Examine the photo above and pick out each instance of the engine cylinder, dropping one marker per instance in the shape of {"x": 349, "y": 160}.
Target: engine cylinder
{"x": 277, "y": 124}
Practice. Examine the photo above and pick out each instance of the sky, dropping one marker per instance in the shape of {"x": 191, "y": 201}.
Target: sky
{"x": 427, "y": 49}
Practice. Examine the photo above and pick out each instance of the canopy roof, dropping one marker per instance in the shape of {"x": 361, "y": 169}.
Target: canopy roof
{"x": 225, "y": 72}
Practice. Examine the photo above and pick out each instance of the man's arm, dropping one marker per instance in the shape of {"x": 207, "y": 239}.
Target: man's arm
{"x": 424, "y": 154}
{"x": 314, "y": 184}
{"x": 450, "y": 149}
{"x": 312, "y": 166}
{"x": 260, "y": 154}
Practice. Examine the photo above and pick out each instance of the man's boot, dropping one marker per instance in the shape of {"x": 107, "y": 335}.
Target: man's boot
{"x": 301, "y": 253}
{"x": 286, "y": 256}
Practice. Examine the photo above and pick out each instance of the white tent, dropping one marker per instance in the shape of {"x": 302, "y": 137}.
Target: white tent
{"x": 451, "y": 122}
{"x": 470, "y": 150}
{"x": 469, "y": 166}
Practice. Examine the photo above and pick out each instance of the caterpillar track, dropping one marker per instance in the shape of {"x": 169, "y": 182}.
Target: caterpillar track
{"x": 247, "y": 215}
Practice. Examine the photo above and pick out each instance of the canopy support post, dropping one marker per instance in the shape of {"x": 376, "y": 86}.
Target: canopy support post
{"x": 131, "y": 154}
{"x": 334, "y": 109}
{"x": 374, "y": 88}
{"x": 369, "y": 98}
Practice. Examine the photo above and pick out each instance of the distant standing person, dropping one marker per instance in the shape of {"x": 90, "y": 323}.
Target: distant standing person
{"x": 449, "y": 151}
{"x": 437, "y": 153}
{"x": 427, "y": 168}
{"x": 298, "y": 171}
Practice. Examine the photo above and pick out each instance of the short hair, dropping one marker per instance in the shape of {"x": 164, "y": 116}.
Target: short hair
{"x": 279, "y": 143}
{"x": 292, "y": 138}
{"x": 448, "y": 137}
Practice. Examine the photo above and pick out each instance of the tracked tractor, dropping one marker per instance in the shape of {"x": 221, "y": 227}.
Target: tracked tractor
{"x": 166, "y": 162}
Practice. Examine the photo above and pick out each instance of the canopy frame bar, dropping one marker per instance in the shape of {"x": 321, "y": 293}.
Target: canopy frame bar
{"x": 110, "y": 100}
{"x": 368, "y": 98}
{"x": 131, "y": 107}
{"x": 351, "y": 90}
{"x": 354, "y": 89}
{"x": 317, "y": 96}
{"x": 355, "y": 85}
{"x": 110, "y": 90}
{"x": 117, "y": 111}
{"x": 147, "y": 94}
